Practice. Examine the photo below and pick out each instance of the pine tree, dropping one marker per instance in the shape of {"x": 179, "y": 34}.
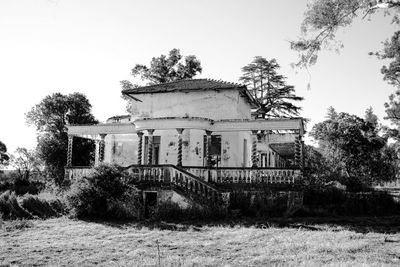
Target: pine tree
{"x": 269, "y": 88}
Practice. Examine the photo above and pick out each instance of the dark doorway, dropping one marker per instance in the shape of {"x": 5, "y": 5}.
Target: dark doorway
{"x": 150, "y": 203}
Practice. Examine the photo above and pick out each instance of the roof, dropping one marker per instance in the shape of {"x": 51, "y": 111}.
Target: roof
{"x": 184, "y": 85}
{"x": 190, "y": 85}
{"x": 285, "y": 150}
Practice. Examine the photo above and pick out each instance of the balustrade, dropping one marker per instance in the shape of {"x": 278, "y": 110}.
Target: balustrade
{"x": 246, "y": 175}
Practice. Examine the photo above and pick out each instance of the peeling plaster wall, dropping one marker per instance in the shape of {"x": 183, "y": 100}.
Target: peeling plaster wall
{"x": 224, "y": 104}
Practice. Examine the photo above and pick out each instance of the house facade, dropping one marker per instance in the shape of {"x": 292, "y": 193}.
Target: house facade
{"x": 200, "y": 129}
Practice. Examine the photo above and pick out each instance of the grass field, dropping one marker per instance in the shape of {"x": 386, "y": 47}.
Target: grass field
{"x": 68, "y": 242}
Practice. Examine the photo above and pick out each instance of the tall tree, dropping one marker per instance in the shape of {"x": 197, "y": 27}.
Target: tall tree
{"x": 371, "y": 117}
{"x": 165, "y": 69}
{"x": 353, "y": 148}
{"x": 4, "y": 158}
{"x": 323, "y": 18}
{"x": 50, "y": 117}
{"x": 269, "y": 88}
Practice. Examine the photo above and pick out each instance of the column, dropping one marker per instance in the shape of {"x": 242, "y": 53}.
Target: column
{"x": 208, "y": 148}
{"x": 140, "y": 148}
{"x": 150, "y": 147}
{"x": 179, "y": 161}
{"x": 69, "y": 150}
{"x": 102, "y": 145}
{"x": 96, "y": 153}
{"x": 254, "y": 148}
{"x": 297, "y": 151}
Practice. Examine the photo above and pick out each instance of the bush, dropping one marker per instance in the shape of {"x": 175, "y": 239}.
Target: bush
{"x": 38, "y": 207}
{"x": 333, "y": 202}
{"x": 23, "y": 186}
{"x": 105, "y": 194}
{"x": 10, "y": 208}
{"x": 29, "y": 207}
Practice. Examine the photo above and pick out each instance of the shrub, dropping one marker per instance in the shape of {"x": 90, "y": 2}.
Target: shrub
{"x": 23, "y": 186}
{"x": 38, "y": 207}
{"x": 105, "y": 194}
{"x": 10, "y": 208}
{"x": 331, "y": 201}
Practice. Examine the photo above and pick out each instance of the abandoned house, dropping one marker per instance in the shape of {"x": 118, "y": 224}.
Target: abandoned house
{"x": 198, "y": 136}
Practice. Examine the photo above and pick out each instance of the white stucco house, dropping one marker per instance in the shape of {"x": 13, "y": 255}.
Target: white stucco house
{"x": 197, "y": 135}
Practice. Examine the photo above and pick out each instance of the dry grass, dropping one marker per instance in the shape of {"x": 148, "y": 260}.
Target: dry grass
{"x": 67, "y": 242}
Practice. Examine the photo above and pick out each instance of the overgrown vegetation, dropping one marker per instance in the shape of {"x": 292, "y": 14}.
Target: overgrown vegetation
{"x": 352, "y": 151}
{"x": 107, "y": 194}
{"x": 30, "y": 207}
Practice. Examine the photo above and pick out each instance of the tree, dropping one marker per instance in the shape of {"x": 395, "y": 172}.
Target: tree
{"x": 25, "y": 162}
{"x": 353, "y": 148}
{"x": 4, "y": 158}
{"x": 50, "y": 117}
{"x": 323, "y": 18}
{"x": 331, "y": 114}
{"x": 165, "y": 69}
{"x": 370, "y": 117}
{"x": 269, "y": 88}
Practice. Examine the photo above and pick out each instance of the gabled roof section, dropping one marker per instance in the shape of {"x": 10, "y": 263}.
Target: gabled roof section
{"x": 191, "y": 85}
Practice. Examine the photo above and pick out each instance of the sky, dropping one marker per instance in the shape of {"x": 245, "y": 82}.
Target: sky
{"x": 89, "y": 46}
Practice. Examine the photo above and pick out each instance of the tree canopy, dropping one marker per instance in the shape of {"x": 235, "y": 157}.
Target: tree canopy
{"x": 3, "y": 154}
{"x": 50, "y": 118}
{"x": 352, "y": 147}
{"x": 323, "y": 18}
{"x": 165, "y": 69}
{"x": 269, "y": 88}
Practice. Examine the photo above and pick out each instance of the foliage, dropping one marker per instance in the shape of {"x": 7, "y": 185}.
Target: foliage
{"x": 352, "y": 148}
{"x": 29, "y": 206}
{"x": 10, "y": 208}
{"x": 165, "y": 69}
{"x": 25, "y": 162}
{"x": 269, "y": 88}
{"x": 322, "y": 20}
{"x": 50, "y": 117}
{"x": 106, "y": 194}
{"x": 4, "y": 158}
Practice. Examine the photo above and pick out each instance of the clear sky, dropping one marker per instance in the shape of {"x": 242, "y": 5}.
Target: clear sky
{"x": 88, "y": 46}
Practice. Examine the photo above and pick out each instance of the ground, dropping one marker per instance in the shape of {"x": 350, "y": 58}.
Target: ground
{"x": 69, "y": 242}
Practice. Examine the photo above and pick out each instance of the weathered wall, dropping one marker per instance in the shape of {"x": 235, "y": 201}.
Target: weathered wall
{"x": 122, "y": 149}
{"x": 224, "y": 104}
{"x": 170, "y": 196}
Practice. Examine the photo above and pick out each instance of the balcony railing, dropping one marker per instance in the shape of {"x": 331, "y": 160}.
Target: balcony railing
{"x": 171, "y": 174}
{"x": 246, "y": 175}
{"x": 74, "y": 173}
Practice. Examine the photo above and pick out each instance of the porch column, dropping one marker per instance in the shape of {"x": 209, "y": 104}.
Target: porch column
{"x": 140, "y": 147}
{"x": 150, "y": 147}
{"x": 179, "y": 161}
{"x": 298, "y": 152}
{"x": 69, "y": 150}
{"x": 254, "y": 148}
{"x": 102, "y": 144}
{"x": 208, "y": 148}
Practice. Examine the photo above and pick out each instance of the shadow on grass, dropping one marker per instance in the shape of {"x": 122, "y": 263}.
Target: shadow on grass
{"x": 387, "y": 224}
